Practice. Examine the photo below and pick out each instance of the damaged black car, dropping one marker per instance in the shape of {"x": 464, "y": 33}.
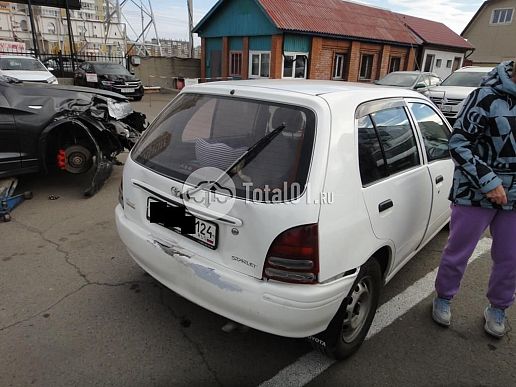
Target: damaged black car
{"x": 72, "y": 128}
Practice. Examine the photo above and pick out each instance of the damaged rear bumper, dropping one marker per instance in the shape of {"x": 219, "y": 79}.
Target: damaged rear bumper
{"x": 277, "y": 308}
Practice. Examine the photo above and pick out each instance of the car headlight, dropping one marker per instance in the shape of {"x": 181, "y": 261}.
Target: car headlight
{"x": 119, "y": 110}
{"x": 52, "y": 81}
{"x": 107, "y": 83}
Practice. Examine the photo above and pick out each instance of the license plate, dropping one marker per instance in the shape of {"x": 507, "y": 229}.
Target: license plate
{"x": 127, "y": 90}
{"x": 199, "y": 230}
{"x": 446, "y": 109}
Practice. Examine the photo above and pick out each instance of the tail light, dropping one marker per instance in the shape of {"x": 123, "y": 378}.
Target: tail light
{"x": 294, "y": 256}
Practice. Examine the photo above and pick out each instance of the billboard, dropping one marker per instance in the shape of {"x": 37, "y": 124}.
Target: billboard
{"x": 12, "y": 47}
{"x": 72, "y": 4}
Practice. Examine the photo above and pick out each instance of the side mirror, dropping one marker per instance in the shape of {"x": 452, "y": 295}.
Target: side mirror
{"x": 420, "y": 86}
{"x": 132, "y": 73}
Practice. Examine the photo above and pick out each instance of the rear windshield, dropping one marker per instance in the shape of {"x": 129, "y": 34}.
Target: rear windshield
{"x": 198, "y": 131}
{"x": 465, "y": 79}
{"x": 397, "y": 79}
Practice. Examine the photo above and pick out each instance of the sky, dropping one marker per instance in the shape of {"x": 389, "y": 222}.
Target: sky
{"x": 172, "y": 15}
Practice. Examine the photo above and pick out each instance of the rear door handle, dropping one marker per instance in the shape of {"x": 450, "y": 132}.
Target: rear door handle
{"x": 439, "y": 179}
{"x": 384, "y": 206}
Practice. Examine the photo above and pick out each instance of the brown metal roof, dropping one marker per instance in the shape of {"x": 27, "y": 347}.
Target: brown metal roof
{"x": 435, "y": 33}
{"x": 338, "y": 18}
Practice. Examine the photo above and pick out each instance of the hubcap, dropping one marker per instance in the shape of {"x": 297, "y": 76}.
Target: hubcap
{"x": 357, "y": 310}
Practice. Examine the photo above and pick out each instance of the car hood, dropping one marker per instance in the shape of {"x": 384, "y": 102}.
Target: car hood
{"x": 118, "y": 77}
{"x": 68, "y": 91}
{"x": 28, "y": 76}
{"x": 457, "y": 92}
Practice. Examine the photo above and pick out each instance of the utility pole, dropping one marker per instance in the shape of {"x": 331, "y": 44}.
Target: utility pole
{"x": 33, "y": 29}
{"x": 190, "y": 27}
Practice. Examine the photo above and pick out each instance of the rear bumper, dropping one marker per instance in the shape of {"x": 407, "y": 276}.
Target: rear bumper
{"x": 277, "y": 308}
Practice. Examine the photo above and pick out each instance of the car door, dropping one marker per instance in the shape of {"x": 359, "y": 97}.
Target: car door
{"x": 435, "y": 133}
{"x": 9, "y": 140}
{"x": 396, "y": 185}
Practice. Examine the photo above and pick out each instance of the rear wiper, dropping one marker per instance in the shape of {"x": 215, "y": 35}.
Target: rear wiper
{"x": 243, "y": 160}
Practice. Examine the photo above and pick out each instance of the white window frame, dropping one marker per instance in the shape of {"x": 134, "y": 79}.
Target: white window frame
{"x": 362, "y": 56}
{"x": 336, "y": 76}
{"x": 491, "y": 21}
{"x": 294, "y": 54}
{"x": 260, "y": 53}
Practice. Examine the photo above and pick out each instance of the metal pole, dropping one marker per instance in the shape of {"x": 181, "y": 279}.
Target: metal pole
{"x": 70, "y": 35}
{"x": 190, "y": 27}
{"x": 33, "y": 29}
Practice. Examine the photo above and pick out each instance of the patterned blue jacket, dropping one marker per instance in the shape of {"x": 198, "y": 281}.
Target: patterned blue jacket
{"x": 483, "y": 142}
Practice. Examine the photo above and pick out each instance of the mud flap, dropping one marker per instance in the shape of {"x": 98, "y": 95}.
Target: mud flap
{"x": 103, "y": 169}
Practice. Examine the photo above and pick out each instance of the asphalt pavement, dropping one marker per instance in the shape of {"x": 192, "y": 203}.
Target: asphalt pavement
{"x": 76, "y": 310}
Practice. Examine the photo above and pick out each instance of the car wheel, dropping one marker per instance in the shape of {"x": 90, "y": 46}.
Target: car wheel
{"x": 6, "y": 218}
{"x": 136, "y": 99}
{"x": 78, "y": 159}
{"x": 348, "y": 329}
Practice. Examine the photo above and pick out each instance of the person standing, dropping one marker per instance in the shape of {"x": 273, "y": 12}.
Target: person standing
{"x": 483, "y": 148}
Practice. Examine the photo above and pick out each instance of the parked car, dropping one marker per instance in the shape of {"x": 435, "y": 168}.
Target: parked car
{"x": 296, "y": 263}
{"x": 72, "y": 128}
{"x": 414, "y": 80}
{"x": 25, "y": 68}
{"x": 109, "y": 76}
{"x": 450, "y": 95}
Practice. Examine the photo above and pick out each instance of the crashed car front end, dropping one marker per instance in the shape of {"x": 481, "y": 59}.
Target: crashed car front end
{"x": 75, "y": 129}
{"x": 95, "y": 134}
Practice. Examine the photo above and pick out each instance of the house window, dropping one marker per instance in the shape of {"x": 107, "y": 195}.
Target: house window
{"x": 448, "y": 64}
{"x": 395, "y": 64}
{"x": 438, "y": 63}
{"x": 295, "y": 65}
{"x": 339, "y": 66}
{"x": 502, "y": 16}
{"x": 235, "y": 63}
{"x": 259, "y": 65}
{"x": 366, "y": 67}
{"x": 51, "y": 28}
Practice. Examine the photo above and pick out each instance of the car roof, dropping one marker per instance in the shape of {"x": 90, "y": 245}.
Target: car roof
{"x": 476, "y": 69}
{"x": 413, "y": 73}
{"x": 17, "y": 56}
{"x": 309, "y": 87}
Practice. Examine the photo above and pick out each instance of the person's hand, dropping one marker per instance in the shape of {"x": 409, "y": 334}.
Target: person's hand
{"x": 498, "y": 195}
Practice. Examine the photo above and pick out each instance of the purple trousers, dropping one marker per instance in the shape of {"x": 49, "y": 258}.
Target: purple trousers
{"x": 466, "y": 228}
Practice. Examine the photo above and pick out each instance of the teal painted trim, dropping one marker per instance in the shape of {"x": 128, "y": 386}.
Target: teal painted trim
{"x": 297, "y": 43}
{"x": 236, "y": 44}
{"x": 260, "y": 43}
{"x": 236, "y": 18}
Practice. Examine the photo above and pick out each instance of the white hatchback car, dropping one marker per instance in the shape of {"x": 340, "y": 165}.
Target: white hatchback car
{"x": 322, "y": 191}
{"x": 26, "y": 69}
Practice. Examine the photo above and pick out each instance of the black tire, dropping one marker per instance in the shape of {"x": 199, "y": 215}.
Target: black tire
{"x": 7, "y": 218}
{"x": 27, "y": 195}
{"x": 137, "y": 99}
{"x": 348, "y": 329}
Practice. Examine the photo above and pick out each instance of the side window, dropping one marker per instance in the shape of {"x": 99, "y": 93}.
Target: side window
{"x": 433, "y": 129}
{"x": 397, "y": 139}
{"x": 372, "y": 162}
